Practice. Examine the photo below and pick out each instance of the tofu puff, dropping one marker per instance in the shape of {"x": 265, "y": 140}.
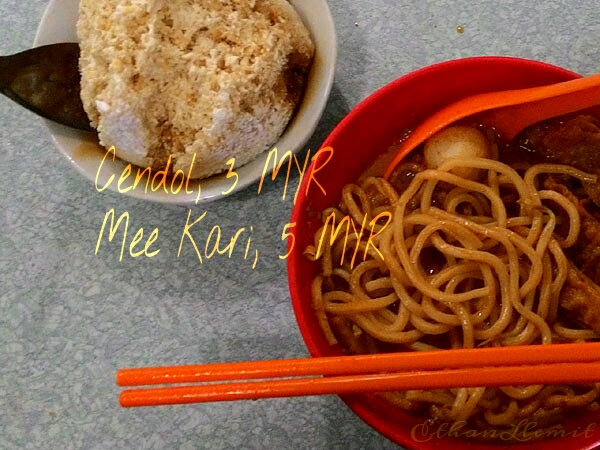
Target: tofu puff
{"x": 216, "y": 78}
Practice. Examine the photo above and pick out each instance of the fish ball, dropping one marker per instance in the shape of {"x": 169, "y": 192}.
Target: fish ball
{"x": 457, "y": 142}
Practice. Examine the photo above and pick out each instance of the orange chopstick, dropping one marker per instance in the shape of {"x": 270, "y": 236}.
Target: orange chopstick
{"x": 536, "y": 364}
{"x": 485, "y": 376}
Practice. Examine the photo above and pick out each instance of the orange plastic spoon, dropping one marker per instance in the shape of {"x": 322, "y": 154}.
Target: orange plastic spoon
{"x": 507, "y": 111}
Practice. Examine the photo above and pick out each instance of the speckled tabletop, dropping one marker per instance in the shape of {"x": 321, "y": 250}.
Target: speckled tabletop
{"x": 70, "y": 318}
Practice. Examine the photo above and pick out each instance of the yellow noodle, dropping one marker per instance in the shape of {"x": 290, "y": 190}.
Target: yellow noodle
{"x": 522, "y": 392}
{"x": 505, "y": 417}
{"x": 456, "y": 268}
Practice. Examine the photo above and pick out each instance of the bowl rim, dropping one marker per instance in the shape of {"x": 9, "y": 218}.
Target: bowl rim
{"x": 58, "y": 24}
{"x": 359, "y": 403}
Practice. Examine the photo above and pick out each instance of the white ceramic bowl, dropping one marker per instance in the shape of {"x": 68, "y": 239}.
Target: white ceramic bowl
{"x": 59, "y": 25}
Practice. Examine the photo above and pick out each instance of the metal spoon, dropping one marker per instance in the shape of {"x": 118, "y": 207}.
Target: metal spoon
{"x": 46, "y": 81}
{"x": 508, "y": 112}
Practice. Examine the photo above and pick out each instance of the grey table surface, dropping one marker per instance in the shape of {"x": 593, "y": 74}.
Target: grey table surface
{"x": 70, "y": 318}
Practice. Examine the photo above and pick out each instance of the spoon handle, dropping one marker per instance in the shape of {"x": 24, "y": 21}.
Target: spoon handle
{"x": 5, "y": 73}
{"x": 512, "y": 119}
{"x": 500, "y": 109}
{"x": 46, "y": 81}
{"x": 3, "y": 64}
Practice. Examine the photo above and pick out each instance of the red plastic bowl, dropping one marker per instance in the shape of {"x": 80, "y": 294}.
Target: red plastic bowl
{"x": 367, "y": 131}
